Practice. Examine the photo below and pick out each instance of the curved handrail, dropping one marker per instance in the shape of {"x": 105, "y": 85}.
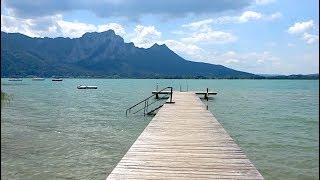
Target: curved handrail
{"x": 149, "y": 104}
{"x": 151, "y": 97}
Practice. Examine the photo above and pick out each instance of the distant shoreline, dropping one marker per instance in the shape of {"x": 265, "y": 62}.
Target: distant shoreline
{"x": 303, "y": 77}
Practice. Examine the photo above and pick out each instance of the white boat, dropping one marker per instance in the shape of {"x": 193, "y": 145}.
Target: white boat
{"x": 37, "y": 79}
{"x": 56, "y": 79}
{"x": 15, "y": 79}
{"x": 87, "y": 87}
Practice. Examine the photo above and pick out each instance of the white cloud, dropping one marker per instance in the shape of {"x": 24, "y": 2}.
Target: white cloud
{"x": 264, "y": 2}
{"x": 184, "y": 49}
{"x": 255, "y": 62}
{"x": 118, "y": 29}
{"x": 53, "y": 26}
{"x": 249, "y": 15}
{"x": 45, "y": 26}
{"x": 246, "y": 16}
{"x": 198, "y": 24}
{"x": 310, "y": 38}
{"x": 75, "y": 29}
{"x": 203, "y": 33}
{"x": 210, "y": 36}
{"x": 145, "y": 36}
{"x": 300, "y": 27}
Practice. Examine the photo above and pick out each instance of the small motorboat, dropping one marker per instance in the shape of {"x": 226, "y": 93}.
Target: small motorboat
{"x": 87, "y": 87}
{"x": 37, "y": 79}
{"x": 15, "y": 79}
{"x": 56, "y": 79}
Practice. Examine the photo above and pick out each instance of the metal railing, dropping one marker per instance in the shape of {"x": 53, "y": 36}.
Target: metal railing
{"x": 147, "y": 104}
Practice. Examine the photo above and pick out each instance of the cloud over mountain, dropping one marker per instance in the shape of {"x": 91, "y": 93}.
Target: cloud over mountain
{"x": 127, "y": 8}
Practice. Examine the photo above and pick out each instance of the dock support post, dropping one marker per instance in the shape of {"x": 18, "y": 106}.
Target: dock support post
{"x": 207, "y": 97}
{"x": 171, "y": 93}
{"x": 157, "y": 95}
{"x": 171, "y": 96}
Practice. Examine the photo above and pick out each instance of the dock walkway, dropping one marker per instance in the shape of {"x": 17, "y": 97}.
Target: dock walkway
{"x": 184, "y": 141}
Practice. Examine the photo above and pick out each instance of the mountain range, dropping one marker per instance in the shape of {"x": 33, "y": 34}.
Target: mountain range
{"x": 102, "y": 54}
{"x": 105, "y": 55}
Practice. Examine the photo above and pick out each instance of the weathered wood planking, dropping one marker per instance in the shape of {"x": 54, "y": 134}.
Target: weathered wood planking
{"x": 184, "y": 141}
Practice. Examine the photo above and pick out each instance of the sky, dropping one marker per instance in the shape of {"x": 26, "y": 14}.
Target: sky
{"x": 257, "y": 36}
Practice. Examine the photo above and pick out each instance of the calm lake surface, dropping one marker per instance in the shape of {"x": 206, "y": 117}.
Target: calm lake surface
{"x": 52, "y": 130}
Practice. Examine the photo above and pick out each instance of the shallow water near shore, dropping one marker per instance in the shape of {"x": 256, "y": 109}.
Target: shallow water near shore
{"x": 52, "y": 130}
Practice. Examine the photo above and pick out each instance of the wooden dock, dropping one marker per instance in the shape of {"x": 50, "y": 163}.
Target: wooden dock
{"x": 184, "y": 141}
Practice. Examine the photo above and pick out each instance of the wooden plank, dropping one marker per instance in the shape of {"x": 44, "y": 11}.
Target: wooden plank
{"x": 184, "y": 141}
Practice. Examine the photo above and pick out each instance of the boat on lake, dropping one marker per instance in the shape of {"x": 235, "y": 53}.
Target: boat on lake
{"x": 87, "y": 87}
{"x": 37, "y": 79}
{"x": 56, "y": 79}
{"x": 15, "y": 79}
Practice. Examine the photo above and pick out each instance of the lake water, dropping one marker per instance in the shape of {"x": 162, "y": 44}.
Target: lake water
{"x": 52, "y": 130}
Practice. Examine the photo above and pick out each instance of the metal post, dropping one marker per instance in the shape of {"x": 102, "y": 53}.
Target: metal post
{"x": 157, "y": 95}
{"x": 207, "y": 93}
{"x": 147, "y": 106}
{"x": 144, "y": 109}
{"x": 207, "y": 97}
{"x": 171, "y": 96}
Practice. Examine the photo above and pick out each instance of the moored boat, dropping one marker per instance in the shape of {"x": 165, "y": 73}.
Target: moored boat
{"x": 87, "y": 87}
{"x": 57, "y": 79}
{"x": 37, "y": 79}
{"x": 15, "y": 79}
